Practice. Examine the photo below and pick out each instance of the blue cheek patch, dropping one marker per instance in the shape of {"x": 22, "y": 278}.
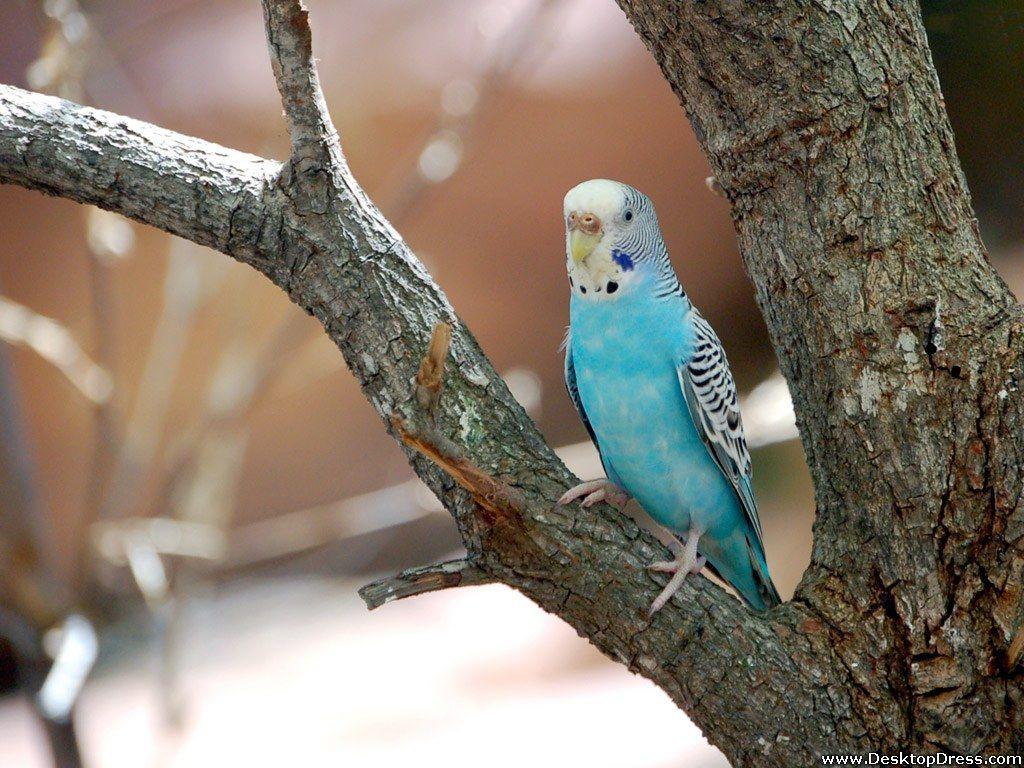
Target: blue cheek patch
{"x": 623, "y": 259}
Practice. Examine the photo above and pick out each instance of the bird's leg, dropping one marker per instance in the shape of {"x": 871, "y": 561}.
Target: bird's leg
{"x": 595, "y": 491}
{"x": 686, "y": 562}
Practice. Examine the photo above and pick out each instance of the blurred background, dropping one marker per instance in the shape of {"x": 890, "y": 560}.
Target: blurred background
{"x": 185, "y": 460}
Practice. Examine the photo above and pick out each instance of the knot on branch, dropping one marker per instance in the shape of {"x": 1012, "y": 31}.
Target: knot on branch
{"x": 430, "y": 378}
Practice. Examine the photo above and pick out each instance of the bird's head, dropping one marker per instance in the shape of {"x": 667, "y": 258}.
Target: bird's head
{"x": 610, "y": 230}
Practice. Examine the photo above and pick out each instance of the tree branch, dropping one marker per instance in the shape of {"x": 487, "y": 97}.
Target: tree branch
{"x": 179, "y": 184}
{"x": 419, "y": 581}
{"x": 291, "y": 55}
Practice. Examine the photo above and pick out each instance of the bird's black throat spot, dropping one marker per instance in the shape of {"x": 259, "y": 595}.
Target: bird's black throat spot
{"x": 583, "y": 289}
{"x": 612, "y": 286}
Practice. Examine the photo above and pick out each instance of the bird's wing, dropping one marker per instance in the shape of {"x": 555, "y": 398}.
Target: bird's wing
{"x": 574, "y": 390}
{"x": 574, "y": 395}
{"x": 710, "y": 393}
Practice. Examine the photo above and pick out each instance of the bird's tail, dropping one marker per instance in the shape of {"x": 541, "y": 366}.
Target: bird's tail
{"x": 752, "y": 581}
{"x": 767, "y": 596}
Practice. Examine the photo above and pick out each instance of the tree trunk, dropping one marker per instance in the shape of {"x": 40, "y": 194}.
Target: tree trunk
{"x": 825, "y": 126}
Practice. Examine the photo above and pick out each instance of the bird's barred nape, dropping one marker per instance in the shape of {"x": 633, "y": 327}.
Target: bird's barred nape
{"x": 643, "y": 243}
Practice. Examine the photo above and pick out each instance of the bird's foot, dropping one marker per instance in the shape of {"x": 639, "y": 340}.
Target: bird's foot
{"x": 594, "y": 491}
{"x": 672, "y": 566}
{"x": 687, "y": 561}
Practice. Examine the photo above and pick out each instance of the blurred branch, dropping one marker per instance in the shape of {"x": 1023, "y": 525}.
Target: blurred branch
{"x": 768, "y": 413}
{"x": 303, "y": 530}
{"x": 52, "y": 661}
{"x": 52, "y": 679}
{"x": 419, "y": 581}
{"x": 55, "y": 344}
{"x": 185, "y": 287}
{"x": 241, "y": 380}
{"x": 26, "y": 565}
{"x": 67, "y": 45}
{"x": 73, "y": 647}
{"x": 109, "y": 237}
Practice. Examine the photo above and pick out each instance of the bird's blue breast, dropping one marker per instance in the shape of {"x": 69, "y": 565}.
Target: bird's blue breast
{"x": 626, "y": 354}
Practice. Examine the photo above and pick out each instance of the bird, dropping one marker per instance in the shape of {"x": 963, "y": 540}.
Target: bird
{"x": 650, "y": 381}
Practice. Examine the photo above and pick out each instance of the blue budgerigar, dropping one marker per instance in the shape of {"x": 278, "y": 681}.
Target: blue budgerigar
{"x": 650, "y": 381}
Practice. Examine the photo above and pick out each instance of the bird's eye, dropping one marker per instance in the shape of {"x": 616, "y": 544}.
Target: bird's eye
{"x": 628, "y": 215}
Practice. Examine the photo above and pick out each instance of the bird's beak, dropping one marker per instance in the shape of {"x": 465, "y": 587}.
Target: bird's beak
{"x": 585, "y": 233}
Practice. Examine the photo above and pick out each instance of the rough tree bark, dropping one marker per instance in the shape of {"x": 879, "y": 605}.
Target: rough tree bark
{"x": 825, "y": 126}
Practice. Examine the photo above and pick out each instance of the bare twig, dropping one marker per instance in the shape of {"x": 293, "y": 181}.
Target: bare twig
{"x": 418, "y": 581}
{"x": 430, "y": 378}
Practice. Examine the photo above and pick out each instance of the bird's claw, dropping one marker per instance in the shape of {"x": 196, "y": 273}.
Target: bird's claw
{"x": 687, "y": 561}
{"x": 594, "y": 491}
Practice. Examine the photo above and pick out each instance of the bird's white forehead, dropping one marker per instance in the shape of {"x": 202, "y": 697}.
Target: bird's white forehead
{"x": 601, "y": 197}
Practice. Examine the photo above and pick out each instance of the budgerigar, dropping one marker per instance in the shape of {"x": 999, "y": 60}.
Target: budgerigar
{"x": 650, "y": 381}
